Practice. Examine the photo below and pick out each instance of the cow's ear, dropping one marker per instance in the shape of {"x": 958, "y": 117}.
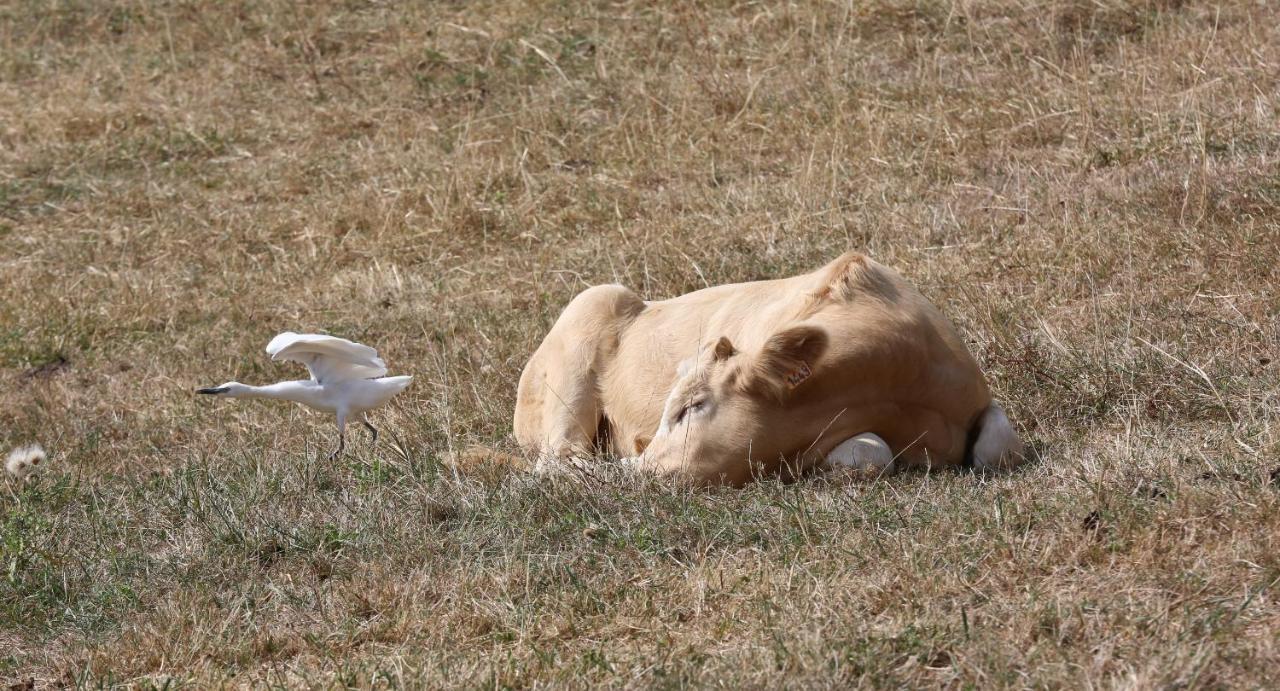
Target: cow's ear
{"x": 788, "y": 359}
{"x": 724, "y": 349}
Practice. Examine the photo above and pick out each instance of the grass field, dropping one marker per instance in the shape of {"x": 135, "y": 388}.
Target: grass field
{"x": 1090, "y": 189}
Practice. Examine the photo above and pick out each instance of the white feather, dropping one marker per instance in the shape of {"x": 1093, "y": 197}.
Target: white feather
{"x": 328, "y": 358}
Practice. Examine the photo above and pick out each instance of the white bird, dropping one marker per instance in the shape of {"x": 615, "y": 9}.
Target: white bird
{"x": 347, "y": 379}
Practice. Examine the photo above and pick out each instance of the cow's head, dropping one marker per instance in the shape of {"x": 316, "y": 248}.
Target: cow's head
{"x": 728, "y": 409}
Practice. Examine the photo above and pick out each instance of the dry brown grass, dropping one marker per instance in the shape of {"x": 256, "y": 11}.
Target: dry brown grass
{"x": 1089, "y": 188}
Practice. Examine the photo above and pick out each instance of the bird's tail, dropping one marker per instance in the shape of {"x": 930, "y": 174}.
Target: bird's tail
{"x": 400, "y": 383}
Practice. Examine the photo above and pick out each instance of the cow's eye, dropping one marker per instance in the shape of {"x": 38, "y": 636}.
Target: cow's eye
{"x": 691, "y": 407}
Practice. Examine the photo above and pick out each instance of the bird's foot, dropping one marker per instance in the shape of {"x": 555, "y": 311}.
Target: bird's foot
{"x": 342, "y": 444}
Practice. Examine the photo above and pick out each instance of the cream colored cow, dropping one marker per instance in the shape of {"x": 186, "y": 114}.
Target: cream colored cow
{"x": 847, "y": 366}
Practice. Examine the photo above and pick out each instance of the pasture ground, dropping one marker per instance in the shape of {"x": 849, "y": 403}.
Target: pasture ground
{"x": 1090, "y": 189}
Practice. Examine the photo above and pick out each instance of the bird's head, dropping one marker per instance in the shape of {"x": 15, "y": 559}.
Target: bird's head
{"x": 230, "y": 389}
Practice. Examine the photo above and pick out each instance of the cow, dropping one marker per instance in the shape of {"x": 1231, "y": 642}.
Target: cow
{"x": 846, "y": 367}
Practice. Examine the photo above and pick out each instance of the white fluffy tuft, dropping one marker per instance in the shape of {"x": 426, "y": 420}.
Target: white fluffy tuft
{"x": 25, "y": 461}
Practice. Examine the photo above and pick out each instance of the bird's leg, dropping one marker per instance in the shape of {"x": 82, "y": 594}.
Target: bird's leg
{"x": 342, "y": 444}
{"x": 342, "y": 437}
{"x": 372, "y": 430}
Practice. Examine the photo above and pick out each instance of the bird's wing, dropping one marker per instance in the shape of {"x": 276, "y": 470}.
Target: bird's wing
{"x": 328, "y": 358}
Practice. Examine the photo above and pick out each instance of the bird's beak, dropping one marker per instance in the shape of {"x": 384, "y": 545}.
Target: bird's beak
{"x": 214, "y": 390}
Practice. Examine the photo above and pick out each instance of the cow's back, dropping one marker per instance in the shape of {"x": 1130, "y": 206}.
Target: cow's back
{"x": 894, "y": 362}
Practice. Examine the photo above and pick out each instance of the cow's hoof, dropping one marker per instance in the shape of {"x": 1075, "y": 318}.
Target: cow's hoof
{"x": 865, "y": 456}
{"x": 998, "y": 446}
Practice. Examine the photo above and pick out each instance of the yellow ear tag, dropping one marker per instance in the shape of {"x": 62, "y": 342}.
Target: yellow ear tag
{"x": 801, "y": 374}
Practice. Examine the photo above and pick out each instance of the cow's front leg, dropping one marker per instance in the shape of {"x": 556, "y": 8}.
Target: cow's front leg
{"x": 558, "y": 404}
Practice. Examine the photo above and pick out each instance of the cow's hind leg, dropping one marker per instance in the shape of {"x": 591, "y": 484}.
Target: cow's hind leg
{"x": 558, "y": 407}
{"x": 998, "y": 446}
